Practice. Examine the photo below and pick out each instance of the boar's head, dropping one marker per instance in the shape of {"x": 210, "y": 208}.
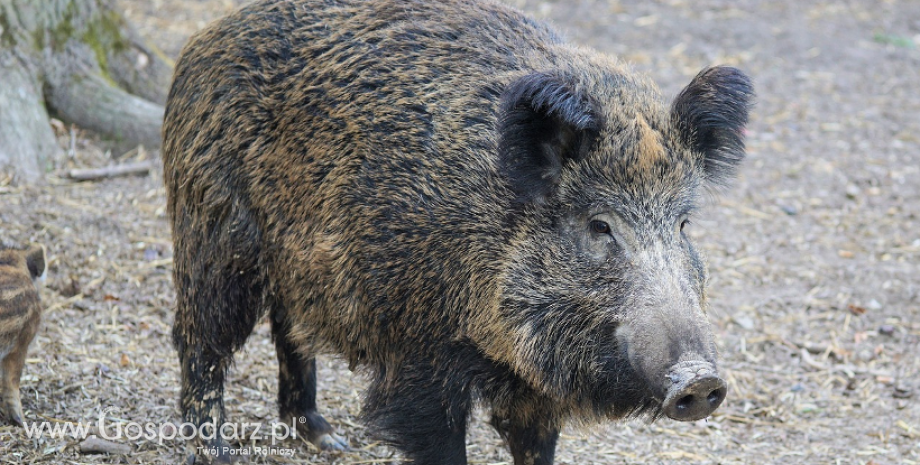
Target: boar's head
{"x": 603, "y": 302}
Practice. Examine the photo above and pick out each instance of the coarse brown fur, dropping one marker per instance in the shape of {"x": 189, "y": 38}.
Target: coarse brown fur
{"x": 412, "y": 185}
{"x": 20, "y": 313}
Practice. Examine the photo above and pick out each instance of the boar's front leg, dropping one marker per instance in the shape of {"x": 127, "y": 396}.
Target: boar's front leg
{"x": 297, "y": 388}
{"x": 531, "y": 442}
{"x": 422, "y": 412}
{"x": 524, "y": 419}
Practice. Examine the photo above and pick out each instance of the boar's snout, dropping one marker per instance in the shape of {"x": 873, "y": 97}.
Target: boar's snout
{"x": 696, "y": 391}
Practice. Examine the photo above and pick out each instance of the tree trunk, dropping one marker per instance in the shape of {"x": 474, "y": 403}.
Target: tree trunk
{"x": 80, "y": 61}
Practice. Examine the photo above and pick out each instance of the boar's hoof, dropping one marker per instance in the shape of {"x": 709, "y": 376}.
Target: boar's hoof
{"x": 696, "y": 391}
{"x": 331, "y": 442}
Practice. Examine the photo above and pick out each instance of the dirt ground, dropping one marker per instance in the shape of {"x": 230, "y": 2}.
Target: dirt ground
{"x": 814, "y": 255}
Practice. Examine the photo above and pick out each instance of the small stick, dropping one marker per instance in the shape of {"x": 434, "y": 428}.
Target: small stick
{"x": 127, "y": 169}
{"x": 72, "y": 150}
{"x": 94, "y": 445}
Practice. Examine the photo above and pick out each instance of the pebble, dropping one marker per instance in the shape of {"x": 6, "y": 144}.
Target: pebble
{"x": 902, "y": 392}
{"x": 853, "y": 191}
{"x": 789, "y": 210}
{"x": 886, "y": 330}
{"x": 743, "y": 321}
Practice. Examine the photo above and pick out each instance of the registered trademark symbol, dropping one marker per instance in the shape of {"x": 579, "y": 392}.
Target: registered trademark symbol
{"x": 302, "y": 420}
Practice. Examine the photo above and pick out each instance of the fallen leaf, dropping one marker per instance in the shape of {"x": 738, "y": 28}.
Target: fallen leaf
{"x": 856, "y": 309}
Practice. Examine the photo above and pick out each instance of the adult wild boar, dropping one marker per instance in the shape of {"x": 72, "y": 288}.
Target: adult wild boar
{"x": 448, "y": 194}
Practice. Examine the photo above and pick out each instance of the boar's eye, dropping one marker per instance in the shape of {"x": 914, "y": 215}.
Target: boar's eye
{"x": 683, "y": 224}
{"x": 600, "y": 227}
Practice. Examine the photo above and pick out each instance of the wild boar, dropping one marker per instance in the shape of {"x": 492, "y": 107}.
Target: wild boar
{"x": 451, "y": 196}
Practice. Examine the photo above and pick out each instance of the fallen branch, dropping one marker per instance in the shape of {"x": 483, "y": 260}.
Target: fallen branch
{"x": 128, "y": 169}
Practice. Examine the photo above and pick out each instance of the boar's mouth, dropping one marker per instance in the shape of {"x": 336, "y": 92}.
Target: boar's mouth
{"x": 621, "y": 392}
{"x": 694, "y": 392}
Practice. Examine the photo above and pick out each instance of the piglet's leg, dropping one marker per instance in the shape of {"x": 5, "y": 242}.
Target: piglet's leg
{"x": 11, "y": 372}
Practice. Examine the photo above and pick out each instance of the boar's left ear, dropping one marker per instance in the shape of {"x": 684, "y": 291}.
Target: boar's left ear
{"x": 711, "y": 114}
{"x": 543, "y": 124}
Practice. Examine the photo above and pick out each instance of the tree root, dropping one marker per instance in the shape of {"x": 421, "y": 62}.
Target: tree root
{"x": 81, "y": 61}
{"x": 27, "y": 142}
{"x": 95, "y": 104}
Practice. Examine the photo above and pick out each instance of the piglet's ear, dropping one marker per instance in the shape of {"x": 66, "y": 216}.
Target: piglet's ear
{"x": 35, "y": 260}
{"x": 711, "y": 114}
{"x": 544, "y": 123}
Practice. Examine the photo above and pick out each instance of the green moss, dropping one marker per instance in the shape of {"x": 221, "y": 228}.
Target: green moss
{"x": 6, "y": 35}
{"x": 104, "y": 37}
{"x": 64, "y": 30}
{"x": 107, "y": 30}
{"x": 103, "y": 34}
{"x": 38, "y": 38}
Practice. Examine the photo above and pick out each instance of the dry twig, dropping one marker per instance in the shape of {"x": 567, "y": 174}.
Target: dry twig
{"x": 127, "y": 169}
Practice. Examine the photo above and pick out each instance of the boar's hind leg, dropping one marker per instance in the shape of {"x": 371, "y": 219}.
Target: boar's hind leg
{"x": 219, "y": 298}
{"x": 297, "y": 389}
{"x": 202, "y": 401}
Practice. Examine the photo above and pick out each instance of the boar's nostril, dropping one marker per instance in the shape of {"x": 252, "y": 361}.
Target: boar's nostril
{"x": 715, "y": 397}
{"x": 685, "y": 402}
{"x": 694, "y": 398}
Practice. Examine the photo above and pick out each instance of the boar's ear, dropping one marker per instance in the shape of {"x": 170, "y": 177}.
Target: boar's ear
{"x": 35, "y": 260}
{"x": 543, "y": 124}
{"x": 711, "y": 114}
